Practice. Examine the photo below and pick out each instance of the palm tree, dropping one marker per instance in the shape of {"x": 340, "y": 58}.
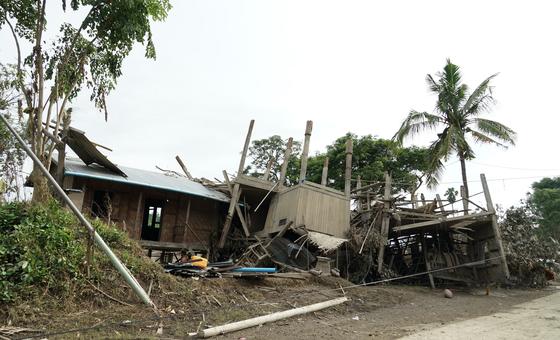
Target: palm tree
{"x": 457, "y": 111}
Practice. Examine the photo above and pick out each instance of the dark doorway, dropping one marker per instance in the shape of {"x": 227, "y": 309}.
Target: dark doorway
{"x": 151, "y": 225}
{"x": 101, "y": 205}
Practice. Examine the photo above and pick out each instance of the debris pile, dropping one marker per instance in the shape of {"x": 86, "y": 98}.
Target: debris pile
{"x": 532, "y": 258}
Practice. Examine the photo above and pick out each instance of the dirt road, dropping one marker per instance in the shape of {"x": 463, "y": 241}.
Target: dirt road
{"x": 537, "y": 319}
{"x": 419, "y": 309}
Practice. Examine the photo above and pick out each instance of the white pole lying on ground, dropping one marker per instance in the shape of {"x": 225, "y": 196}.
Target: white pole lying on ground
{"x": 231, "y": 327}
{"x": 121, "y": 268}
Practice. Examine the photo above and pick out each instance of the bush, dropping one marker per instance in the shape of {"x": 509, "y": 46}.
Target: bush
{"x": 43, "y": 249}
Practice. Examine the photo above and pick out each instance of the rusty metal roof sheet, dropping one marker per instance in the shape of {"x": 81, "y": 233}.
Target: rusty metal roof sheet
{"x": 87, "y": 151}
{"x": 145, "y": 178}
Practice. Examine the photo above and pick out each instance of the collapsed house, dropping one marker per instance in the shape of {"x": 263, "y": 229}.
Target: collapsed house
{"x": 164, "y": 211}
{"x": 293, "y": 225}
{"x": 409, "y": 237}
{"x": 265, "y": 208}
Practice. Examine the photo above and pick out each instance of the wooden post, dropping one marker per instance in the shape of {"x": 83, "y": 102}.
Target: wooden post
{"x": 268, "y": 167}
{"x": 184, "y": 167}
{"x": 497, "y": 234}
{"x": 187, "y": 221}
{"x": 284, "y": 169}
{"x": 139, "y": 217}
{"x": 235, "y": 190}
{"x": 440, "y": 205}
{"x": 414, "y": 200}
{"x": 465, "y": 201}
{"x": 305, "y": 152}
{"x": 384, "y": 222}
{"x": 348, "y": 170}
{"x": 325, "y": 174}
{"x": 428, "y": 265}
{"x": 358, "y": 191}
{"x": 423, "y": 198}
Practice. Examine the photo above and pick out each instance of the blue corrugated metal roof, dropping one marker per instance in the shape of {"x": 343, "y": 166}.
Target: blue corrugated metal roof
{"x": 75, "y": 167}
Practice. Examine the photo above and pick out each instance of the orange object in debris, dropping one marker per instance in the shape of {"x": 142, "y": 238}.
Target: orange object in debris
{"x": 199, "y": 261}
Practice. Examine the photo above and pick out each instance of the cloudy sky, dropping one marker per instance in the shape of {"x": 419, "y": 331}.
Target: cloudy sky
{"x": 354, "y": 66}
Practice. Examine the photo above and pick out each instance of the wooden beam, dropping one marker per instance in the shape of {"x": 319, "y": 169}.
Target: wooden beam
{"x": 440, "y": 220}
{"x": 325, "y": 174}
{"x": 235, "y": 190}
{"x": 245, "y": 148}
{"x": 184, "y": 167}
{"x": 237, "y": 209}
{"x": 284, "y": 168}
{"x": 497, "y": 234}
{"x": 348, "y": 169}
{"x": 305, "y": 152}
{"x": 384, "y": 222}
{"x": 358, "y": 187}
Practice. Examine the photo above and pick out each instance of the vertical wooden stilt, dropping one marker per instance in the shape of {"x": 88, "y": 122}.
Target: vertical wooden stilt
{"x": 348, "y": 169}
{"x": 497, "y": 233}
{"x": 305, "y": 152}
{"x": 138, "y": 222}
{"x": 359, "y": 200}
{"x": 325, "y": 174}
{"x": 284, "y": 168}
{"x": 465, "y": 201}
{"x": 384, "y": 222}
{"x": 428, "y": 265}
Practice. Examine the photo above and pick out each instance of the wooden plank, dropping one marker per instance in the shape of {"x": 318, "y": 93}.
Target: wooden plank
{"x": 498, "y": 235}
{"x": 305, "y": 152}
{"x": 384, "y": 222}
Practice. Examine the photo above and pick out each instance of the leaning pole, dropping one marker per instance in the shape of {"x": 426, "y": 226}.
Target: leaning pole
{"x": 121, "y": 268}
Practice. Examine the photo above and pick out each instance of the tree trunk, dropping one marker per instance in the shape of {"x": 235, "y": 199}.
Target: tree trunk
{"x": 464, "y": 175}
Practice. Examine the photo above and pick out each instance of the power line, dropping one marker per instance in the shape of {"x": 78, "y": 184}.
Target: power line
{"x": 512, "y": 168}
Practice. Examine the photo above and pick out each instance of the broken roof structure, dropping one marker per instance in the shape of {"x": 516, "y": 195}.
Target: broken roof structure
{"x": 268, "y": 206}
{"x": 164, "y": 210}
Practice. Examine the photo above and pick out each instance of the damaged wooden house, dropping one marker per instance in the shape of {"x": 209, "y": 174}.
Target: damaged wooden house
{"x": 265, "y": 208}
{"x": 165, "y": 211}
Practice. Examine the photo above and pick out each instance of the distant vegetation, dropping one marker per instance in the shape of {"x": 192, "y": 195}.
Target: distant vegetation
{"x": 371, "y": 158}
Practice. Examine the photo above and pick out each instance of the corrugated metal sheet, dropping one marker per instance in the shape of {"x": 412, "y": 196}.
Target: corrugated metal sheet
{"x": 75, "y": 167}
{"x": 88, "y": 152}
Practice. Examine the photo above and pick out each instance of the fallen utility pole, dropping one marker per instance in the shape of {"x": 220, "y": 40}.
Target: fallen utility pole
{"x": 121, "y": 268}
{"x": 232, "y": 327}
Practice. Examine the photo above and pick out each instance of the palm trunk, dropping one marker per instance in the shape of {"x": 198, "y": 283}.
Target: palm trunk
{"x": 465, "y": 185}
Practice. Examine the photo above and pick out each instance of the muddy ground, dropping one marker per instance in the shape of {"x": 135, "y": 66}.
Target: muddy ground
{"x": 384, "y": 312}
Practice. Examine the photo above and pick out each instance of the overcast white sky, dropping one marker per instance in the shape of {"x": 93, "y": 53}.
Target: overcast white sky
{"x": 354, "y": 66}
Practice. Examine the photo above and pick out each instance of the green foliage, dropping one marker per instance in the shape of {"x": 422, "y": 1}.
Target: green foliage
{"x": 43, "y": 249}
{"x": 451, "y": 195}
{"x": 262, "y": 150}
{"x": 371, "y": 158}
{"x": 457, "y": 114}
{"x": 545, "y": 201}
